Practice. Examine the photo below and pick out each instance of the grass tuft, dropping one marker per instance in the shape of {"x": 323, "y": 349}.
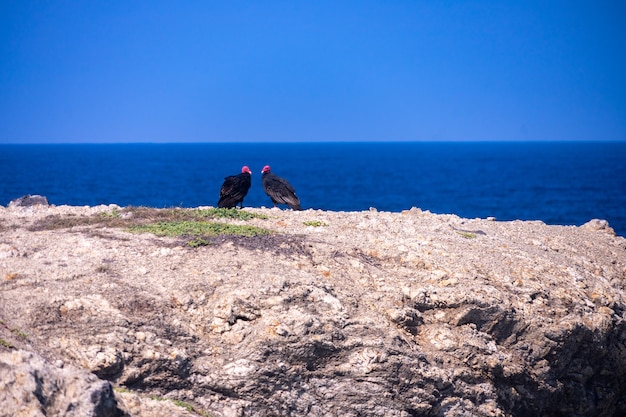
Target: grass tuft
{"x": 197, "y": 242}
{"x": 197, "y": 228}
{"x": 113, "y": 214}
{"x": 19, "y": 333}
{"x": 315, "y": 223}
{"x": 182, "y": 404}
{"x": 228, "y": 213}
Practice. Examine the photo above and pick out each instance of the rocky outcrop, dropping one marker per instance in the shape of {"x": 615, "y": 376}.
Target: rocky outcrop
{"x": 28, "y": 200}
{"x": 30, "y": 386}
{"x": 346, "y": 314}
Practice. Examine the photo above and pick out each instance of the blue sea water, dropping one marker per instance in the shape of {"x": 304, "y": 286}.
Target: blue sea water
{"x": 565, "y": 183}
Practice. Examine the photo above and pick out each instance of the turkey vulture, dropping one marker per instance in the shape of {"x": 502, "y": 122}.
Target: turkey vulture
{"x": 279, "y": 190}
{"x": 234, "y": 189}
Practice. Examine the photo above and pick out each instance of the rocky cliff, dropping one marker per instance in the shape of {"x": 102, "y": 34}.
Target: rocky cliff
{"x": 322, "y": 314}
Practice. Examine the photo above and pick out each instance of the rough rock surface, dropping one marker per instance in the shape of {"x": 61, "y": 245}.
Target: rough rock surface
{"x": 28, "y": 200}
{"x": 30, "y": 386}
{"x": 337, "y": 313}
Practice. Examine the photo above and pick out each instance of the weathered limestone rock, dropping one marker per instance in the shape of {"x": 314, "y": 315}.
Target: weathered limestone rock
{"x": 30, "y": 386}
{"x": 364, "y": 314}
{"x": 29, "y": 200}
{"x": 597, "y": 224}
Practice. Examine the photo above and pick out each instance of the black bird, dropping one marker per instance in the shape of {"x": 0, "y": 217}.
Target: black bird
{"x": 234, "y": 189}
{"x": 279, "y": 190}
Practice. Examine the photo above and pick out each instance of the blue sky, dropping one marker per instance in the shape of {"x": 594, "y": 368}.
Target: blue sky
{"x": 255, "y": 71}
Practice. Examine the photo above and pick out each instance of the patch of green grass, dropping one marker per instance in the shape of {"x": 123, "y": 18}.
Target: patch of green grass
{"x": 182, "y": 404}
{"x": 114, "y": 214}
{"x": 197, "y": 242}
{"x": 467, "y": 235}
{"x": 172, "y": 222}
{"x": 197, "y": 214}
{"x": 19, "y": 333}
{"x": 189, "y": 407}
{"x": 228, "y": 213}
{"x": 157, "y": 398}
{"x": 6, "y": 344}
{"x": 131, "y": 216}
{"x": 197, "y": 228}
{"x": 315, "y": 223}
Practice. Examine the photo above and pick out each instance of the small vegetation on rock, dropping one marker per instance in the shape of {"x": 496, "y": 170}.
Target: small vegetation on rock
{"x": 170, "y": 222}
{"x": 112, "y": 214}
{"x": 197, "y": 242}
{"x": 19, "y": 333}
{"x": 198, "y": 228}
{"x": 315, "y": 223}
{"x": 182, "y": 404}
{"x": 132, "y": 216}
{"x": 189, "y": 407}
{"x": 229, "y": 213}
{"x": 6, "y": 344}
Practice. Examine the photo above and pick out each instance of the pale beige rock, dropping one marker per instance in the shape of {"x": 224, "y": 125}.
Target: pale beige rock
{"x": 30, "y": 386}
{"x": 370, "y": 313}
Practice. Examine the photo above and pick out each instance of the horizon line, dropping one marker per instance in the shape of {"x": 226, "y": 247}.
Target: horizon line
{"x": 319, "y": 142}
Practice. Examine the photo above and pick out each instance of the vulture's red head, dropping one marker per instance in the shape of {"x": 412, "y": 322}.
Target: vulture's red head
{"x": 246, "y": 170}
{"x": 266, "y": 169}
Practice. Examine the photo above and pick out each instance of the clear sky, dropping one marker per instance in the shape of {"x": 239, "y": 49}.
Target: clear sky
{"x": 204, "y": 71}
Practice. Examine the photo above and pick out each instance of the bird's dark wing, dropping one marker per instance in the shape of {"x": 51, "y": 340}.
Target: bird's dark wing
{"x": 280, "y": 191}
{"x": 234, "y": 189}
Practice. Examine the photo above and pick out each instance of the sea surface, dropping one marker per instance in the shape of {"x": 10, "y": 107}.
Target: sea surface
{"x": 565, "y": 183}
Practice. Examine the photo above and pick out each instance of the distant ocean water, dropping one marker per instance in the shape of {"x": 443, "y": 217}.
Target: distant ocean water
{"x": 565, "y": 183}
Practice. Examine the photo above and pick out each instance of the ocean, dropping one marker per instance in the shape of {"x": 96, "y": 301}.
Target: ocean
{"x": 564, "y": 183}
